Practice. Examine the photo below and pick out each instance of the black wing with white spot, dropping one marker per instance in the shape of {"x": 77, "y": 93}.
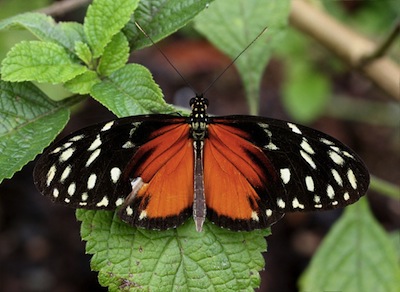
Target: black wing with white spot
{"x": 310, "y": 170}
{"x": 88, "y": 169}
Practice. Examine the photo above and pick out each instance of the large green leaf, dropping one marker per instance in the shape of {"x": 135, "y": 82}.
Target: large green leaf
{"x": 231, "y": 25}
{"x": 39, "y": 61}
{"x": 160, "y": 18}
{"x": 174, "y": 260}
{"x": 357, "y": 255}
{"x": 104, "y": 19}
{"x": 45, "y": 28}
{"x": 131, "y": 90}
{"x": 29, "y": 121}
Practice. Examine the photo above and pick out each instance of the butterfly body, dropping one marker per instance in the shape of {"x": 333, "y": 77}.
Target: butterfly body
{"x": 240, "y": 172}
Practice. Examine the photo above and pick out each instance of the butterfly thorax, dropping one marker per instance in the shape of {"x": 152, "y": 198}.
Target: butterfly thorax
{"x": 199, "y": 117}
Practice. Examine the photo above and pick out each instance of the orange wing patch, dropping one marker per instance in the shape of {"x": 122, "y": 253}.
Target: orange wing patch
{"x": 232, "y": 179}
{"x": 165, "y": 164}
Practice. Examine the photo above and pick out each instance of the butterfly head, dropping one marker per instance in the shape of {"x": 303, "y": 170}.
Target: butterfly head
{"x": 198, "y": 117}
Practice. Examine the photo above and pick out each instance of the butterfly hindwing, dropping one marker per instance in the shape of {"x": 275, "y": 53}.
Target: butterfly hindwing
{"x": 238, "y": 178}
{"x": 165, "y": 164}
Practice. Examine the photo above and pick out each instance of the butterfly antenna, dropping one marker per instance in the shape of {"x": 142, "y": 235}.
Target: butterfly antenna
{"x": 234, "y": 60}
{"x": 165, "y": 57}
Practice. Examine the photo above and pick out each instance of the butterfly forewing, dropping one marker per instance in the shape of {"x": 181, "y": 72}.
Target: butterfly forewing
{"x": 90, "y": 168}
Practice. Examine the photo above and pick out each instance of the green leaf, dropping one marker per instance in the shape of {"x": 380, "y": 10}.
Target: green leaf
{"x": 39, "y": 61}
{"x": 82, "y": 84}
{"x": 174, "y": 260}
{"x": 395, "y": 238}
{"x": 73, "y": 32}
{"x": 83, "y": 52}
{"x": 306, "y": 92}
{"x": 357, "y": 255}
{"x": 104, "y": 19}
{"x": 131, "y": 90}
{"x": 115, "y": 55}
{"x": 161, "y": 18}
{"x": 29, "y": 121}
{"x": 231, "y": 25}
{"x": 37, "y": 23}
{"x": 45, "y": 28}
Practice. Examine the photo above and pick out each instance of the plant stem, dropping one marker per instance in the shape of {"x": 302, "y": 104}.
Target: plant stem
{"x": 385, "y": 188}
{"x": 348, "y": 45}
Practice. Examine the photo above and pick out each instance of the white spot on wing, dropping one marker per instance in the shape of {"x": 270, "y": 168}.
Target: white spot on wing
{"x": 296, "y": 204}
{"x": 304, "y": 144}
{"x": 294, "y": 128}
{"x": 346, "y": 196}
{"x": 92, "y": 157}
{"x": 66, "y": 145}
{"x": 309, "y": 183}
{"x": 76, "y": 138}
{"x": 128, "y": 145}
{"x": 50, "y": 174}
{"x": 281, "y": 203}
{"x": 91, "y": 181}
{"x": 115, "y": 174}
{"x": 103, "y": 202}
{"x": 317, "y": 199}
{"x": 84, "y": 196}
{"x": 336, "y": 157}
{"x": 271, "y": 146}
{"x": 318, "y": 206}
{"x": 107, "y": 126}
{"x": 285, "y": 175}
{"x": 65, "y": 155}
{"x": 95, "y": 144}
{"x": 337, "y": 177}
{"x": 254, "y": 216}
{"x": 71, "y": 189}
{"x": 330, "y": 192}
{"x": 352, "y": 178}
{"x": 268, "y": 212}
{"x": 65, "y": 174}
{"x": 326, "y": 141}
{"x": 55, "y": 193}
{"x": 58, "y": 149}
{"x": 308, "y": 159}
{"x": 119, "y": 202}
{"x": 335, "y": 148}
{"x": 345, "y": 153}
{"x": 66, "y": 200}
{"x": 129, "y": 211}
{"x": 143, "y": 215}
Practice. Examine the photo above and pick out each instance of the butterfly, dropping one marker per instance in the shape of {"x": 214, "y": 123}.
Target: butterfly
{"x": 240, "y": 172}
